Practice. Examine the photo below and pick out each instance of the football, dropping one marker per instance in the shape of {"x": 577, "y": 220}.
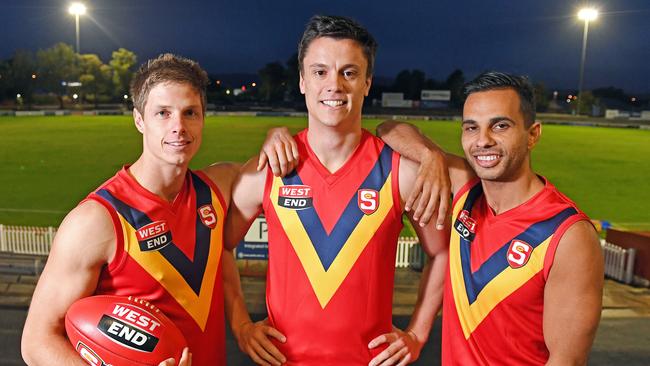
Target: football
{"x": 119, "y": 330}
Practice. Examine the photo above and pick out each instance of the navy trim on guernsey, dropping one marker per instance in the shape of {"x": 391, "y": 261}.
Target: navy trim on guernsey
{"x": 329, "y": 246}
{"x": 534, "y": 235}
{"x": 192, "y": 271}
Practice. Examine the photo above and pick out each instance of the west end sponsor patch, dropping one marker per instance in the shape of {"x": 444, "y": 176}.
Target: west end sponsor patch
{"x": 295, "y": 197}
{"x": 465, "y": 226}
{"x": 131, "y": 327}
{"x": 208, "y": 216}
{"x": 368, "y": 200}
{"x": 154, "y": 236}
{"x": 519, "y": 253}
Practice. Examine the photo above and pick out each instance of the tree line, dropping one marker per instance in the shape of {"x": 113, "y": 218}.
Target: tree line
{"x": 55, "y": 74}
{"x": 51, "y": 74}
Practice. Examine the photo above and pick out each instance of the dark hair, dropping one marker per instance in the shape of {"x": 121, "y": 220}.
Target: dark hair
{"x": 163, "y": 69}
{"x": 499, "y": 80}
{"x": 337, "y": 27}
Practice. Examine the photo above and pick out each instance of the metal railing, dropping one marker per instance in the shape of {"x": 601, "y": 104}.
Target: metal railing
{"x": 619, "y": 262}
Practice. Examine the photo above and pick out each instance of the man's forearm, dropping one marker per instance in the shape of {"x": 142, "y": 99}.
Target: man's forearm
{"x": 429, "y": 297}
{"x": 407, "y": 140}
{"x": 56, "y": 350}
{"x": 234, "y": 304}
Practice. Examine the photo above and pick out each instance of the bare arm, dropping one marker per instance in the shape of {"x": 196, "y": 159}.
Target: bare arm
{"x": 573, "y": 296}
{"x": 252, "y": 338}
{"x": 84, "y": 243}
{"x": 409, "y": 141}
{"x": 246, "y": 202}
{"x": 405, "y": 346}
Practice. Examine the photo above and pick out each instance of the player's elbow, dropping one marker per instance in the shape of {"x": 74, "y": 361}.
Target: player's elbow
{"x": 34, "y": 343}
{"x": 29, "y": 346}
{"x": 567, "y": 360}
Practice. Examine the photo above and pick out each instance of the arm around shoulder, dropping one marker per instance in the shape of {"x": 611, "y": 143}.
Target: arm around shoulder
{"x": 245, "y": 202}
{"x": 84, "y": 243}
{"x": 573, "y": 296}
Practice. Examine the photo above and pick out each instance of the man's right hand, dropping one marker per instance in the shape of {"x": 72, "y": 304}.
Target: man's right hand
{"x": 253, "y": 339}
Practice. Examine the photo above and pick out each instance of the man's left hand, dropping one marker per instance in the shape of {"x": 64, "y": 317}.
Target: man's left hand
{"x": 403, "y": 348}
{"x": 280, "y": 151}
{"x": 432, "y": 190}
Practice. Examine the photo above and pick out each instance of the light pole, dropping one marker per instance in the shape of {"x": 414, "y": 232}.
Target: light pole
{"x": 77, "y": 9}
{"x": 586, "y": 15}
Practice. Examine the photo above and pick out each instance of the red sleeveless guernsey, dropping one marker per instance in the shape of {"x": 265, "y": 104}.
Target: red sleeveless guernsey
{"x": 494, "y": 291}
{"x": 170, "y": 254}
{"x": 332, "y": 245}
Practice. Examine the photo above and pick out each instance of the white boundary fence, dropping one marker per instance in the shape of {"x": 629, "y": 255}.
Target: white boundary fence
{"x": 26, "y": 239}
{"x": 619, "y": 262}
{"x": 408, "y": 252}
{"x": 37, "y": 241}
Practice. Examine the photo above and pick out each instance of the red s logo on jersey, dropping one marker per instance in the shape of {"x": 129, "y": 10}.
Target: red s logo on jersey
{"x": 208, "y": 217}
{"x": 368, "y": 201}
{"x": 519, "y": 253}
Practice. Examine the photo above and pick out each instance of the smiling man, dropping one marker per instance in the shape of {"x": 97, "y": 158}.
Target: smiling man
{"x": 525, "y": 278}
{"x": 333, "y": 225}
{"x": 104, "y": 245}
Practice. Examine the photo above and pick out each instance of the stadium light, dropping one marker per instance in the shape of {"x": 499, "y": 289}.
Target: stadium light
{"x": 77, "y": 9}
{"x": 587, "y": 15}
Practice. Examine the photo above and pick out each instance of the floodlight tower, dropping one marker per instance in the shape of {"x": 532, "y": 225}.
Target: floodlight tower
{"x": 77, "y": 9}
{"x": 587, "y": 15}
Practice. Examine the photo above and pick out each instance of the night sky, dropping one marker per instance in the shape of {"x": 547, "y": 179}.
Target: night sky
{"x": 538, "y": 38}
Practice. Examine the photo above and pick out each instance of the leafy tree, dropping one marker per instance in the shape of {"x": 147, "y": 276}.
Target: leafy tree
{"x": 21, "y": 68}
{"x": 612, "y": 93}
{"x": 273, "y": 82}
{"x": 56, "y": 65}
{"x": 293, "y": 78}
{"x": 122, "y": 64}
{"x": 5, "y": 77}
{"x": 454, "y": 83}
{"x": 587, "y": 100}
{"x": 95, "y": 77}
{"x": 541, "y": 96}
{"x": 402, "y": 82}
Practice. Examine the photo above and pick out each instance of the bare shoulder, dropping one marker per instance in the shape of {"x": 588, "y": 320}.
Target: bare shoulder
{"x": 223, "y": 174}
{"x": 579, "y": 250}
{"x": 460, "y": 172}
{"x": 87, "y": 229}
{"x": 581, "y": 235}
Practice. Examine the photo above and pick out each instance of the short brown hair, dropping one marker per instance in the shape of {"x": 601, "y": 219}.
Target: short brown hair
{"x": 338, "y": 27}
{"x": 167, "y": 68}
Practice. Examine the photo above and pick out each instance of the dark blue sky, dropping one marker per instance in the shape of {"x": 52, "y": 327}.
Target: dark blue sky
{"x": 538, "y": 38}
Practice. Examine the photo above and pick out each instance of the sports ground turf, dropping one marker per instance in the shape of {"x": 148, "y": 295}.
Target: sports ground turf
{"x": 50, "y": 163}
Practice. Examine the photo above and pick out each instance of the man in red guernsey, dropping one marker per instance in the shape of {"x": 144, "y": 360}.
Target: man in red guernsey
{"x": 153, "y": 231}
{"x": 524, "y": 285}
{"x": 333, "y": 225}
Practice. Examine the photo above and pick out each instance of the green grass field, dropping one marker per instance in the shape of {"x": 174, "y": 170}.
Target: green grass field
{"x": 49, "y": 164}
